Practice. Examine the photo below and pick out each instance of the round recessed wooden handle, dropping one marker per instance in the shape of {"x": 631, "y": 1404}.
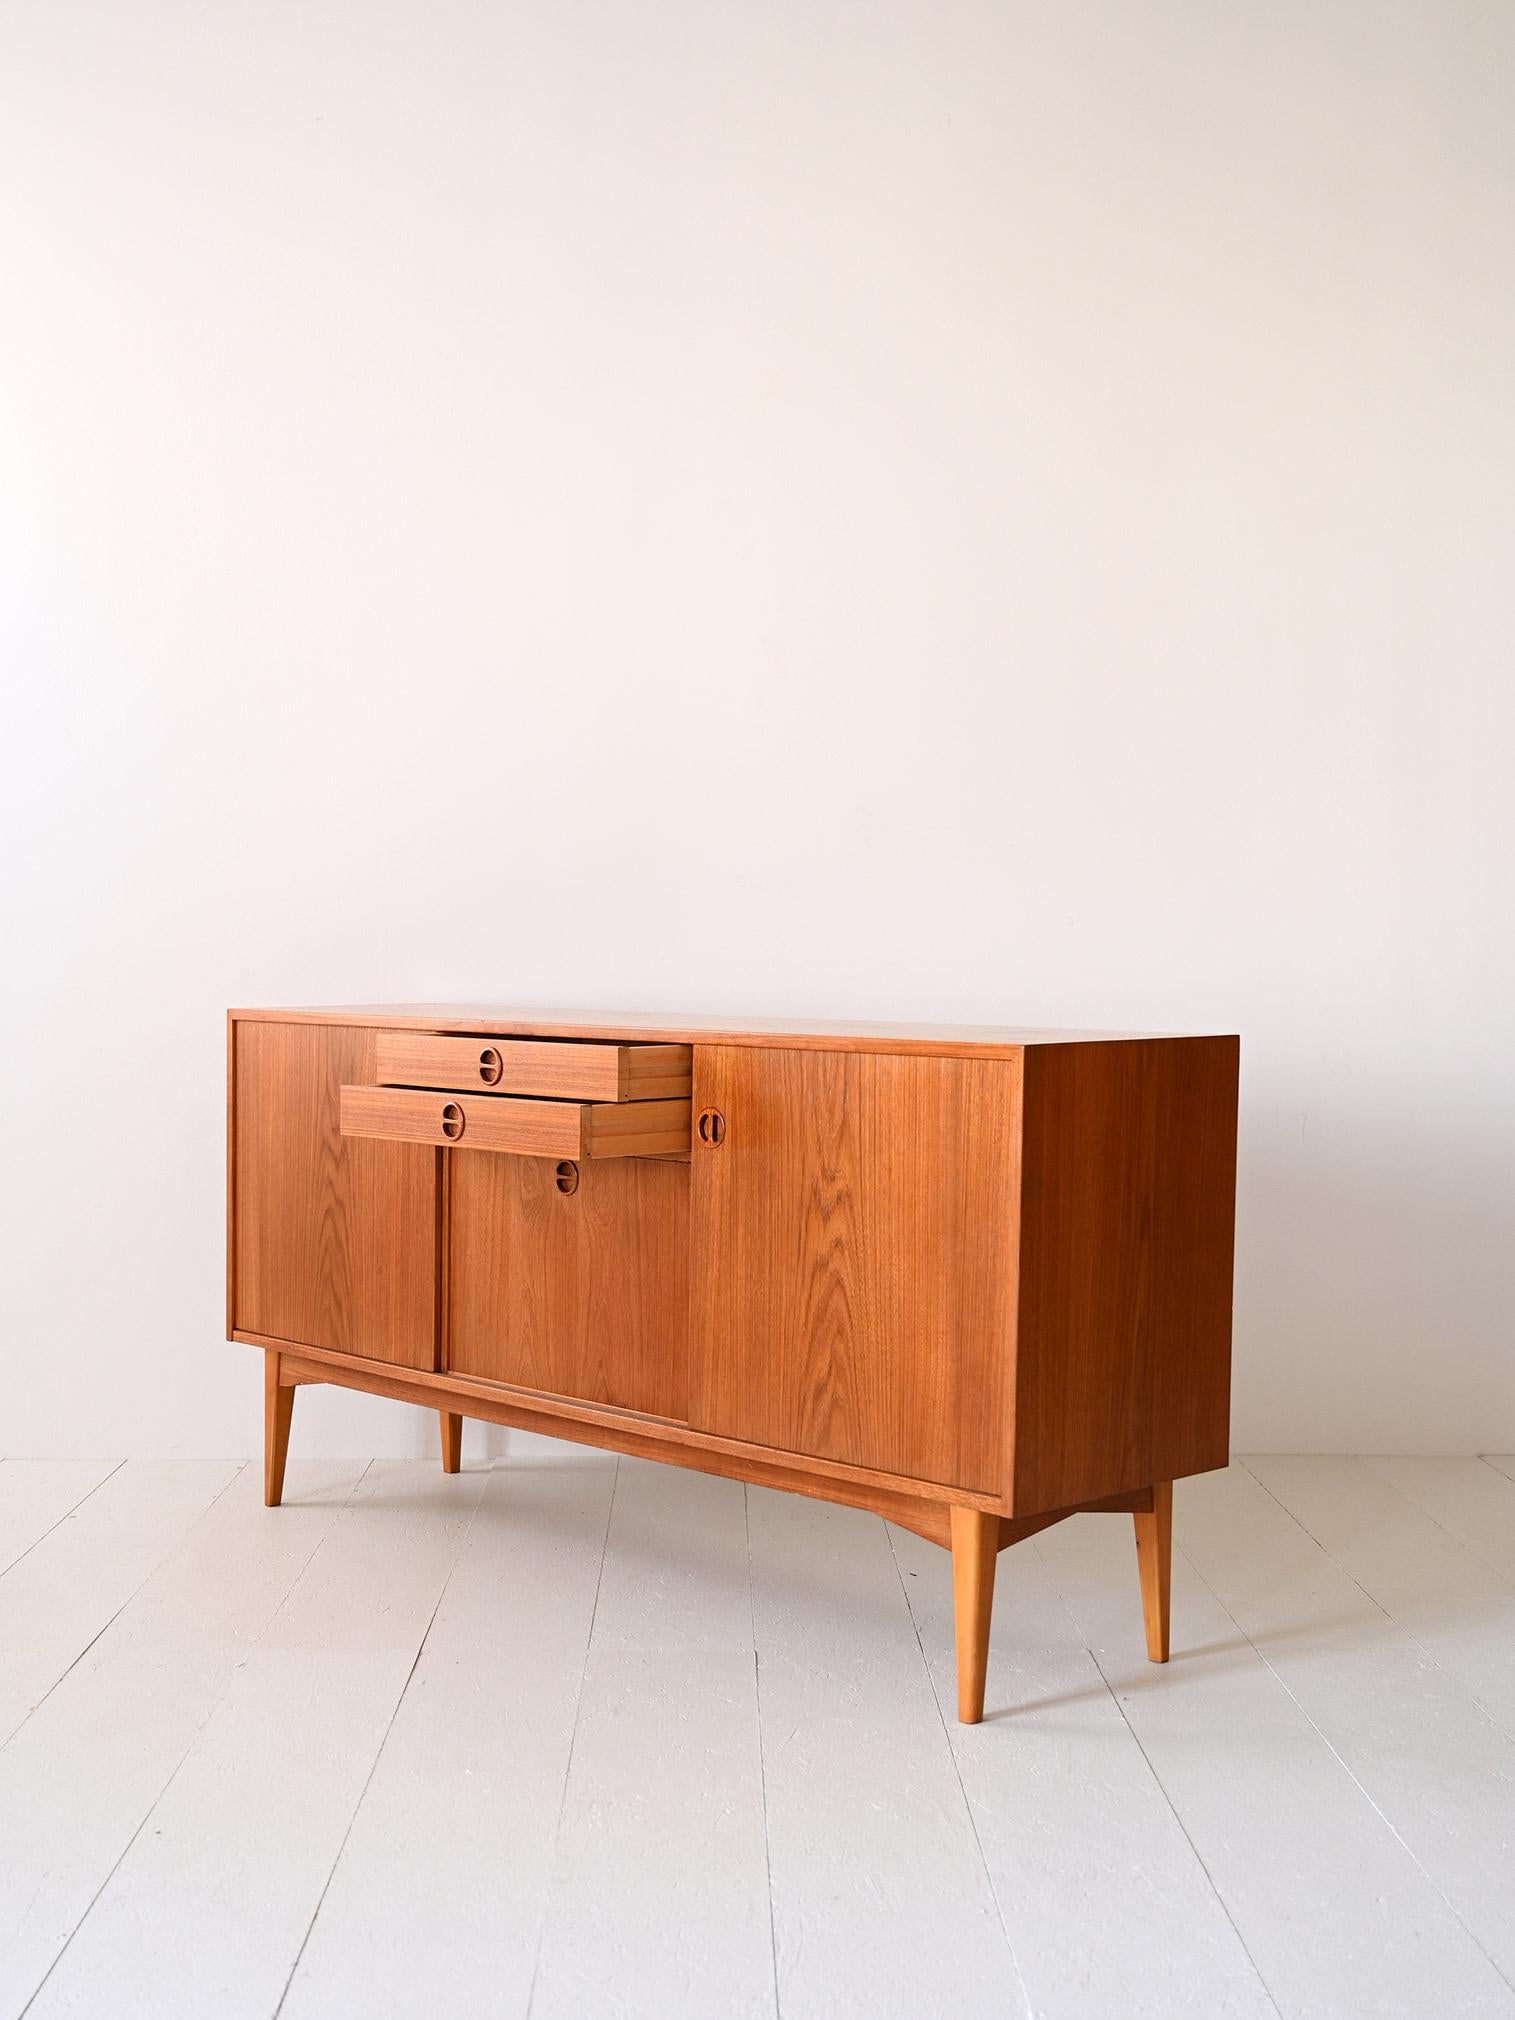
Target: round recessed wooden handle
{"x": 452, "y": 1120}
{"x": 566, "y": 1177}
{"x": 491, "y": 1066}
{"x": 711, "y": 1127}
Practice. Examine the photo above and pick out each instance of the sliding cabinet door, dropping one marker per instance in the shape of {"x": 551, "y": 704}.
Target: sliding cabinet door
{"x": 571, "y": 1279}
{"x": 853, "y": 1256}
{"x": 334, "y": 1238}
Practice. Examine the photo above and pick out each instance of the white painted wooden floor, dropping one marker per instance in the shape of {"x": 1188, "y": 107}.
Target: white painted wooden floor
{"x": 583, "y": 1738}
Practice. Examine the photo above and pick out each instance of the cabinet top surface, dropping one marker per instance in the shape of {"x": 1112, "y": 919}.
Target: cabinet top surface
{"x": 684, "y": 1028}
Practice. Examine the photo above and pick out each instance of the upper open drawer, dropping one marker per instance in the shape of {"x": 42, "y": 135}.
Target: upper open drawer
{"x": 565, "y": 1070}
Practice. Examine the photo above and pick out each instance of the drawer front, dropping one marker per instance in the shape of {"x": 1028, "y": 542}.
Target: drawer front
{"x": 563, "y": 1071}
{"x": 559, "y": 1129}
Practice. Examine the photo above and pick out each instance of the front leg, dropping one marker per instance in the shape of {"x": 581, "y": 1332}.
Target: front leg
{"x": 1154, "y": 1563}
{"x": 975, "y": 1548}
{"x": 452, "y": 1440}
{"x": 278, "y": 1411}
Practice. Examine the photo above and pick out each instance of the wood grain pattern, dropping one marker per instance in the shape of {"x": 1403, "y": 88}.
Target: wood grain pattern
{"x": 278, "y": 1413}
{"x": 975, "y": 1540}
{"x": 854, "y": 1259}
{"x": 636, "y": 1128}
{"x": 1154, "y": 1561}
{"x": 1123, "y": 1349}
{"x": 1193, "y": 1242}
{"x": 231, "y": 1176}
{"x": 498, "y": 1122}
{"x": 429, "y": 1059}
{"x": 334, "y": 1240}
{"x": 452, "y": 1441}
{"x": 583, "y": 1294}
{"x": 523, "y": 1127}
{"x": 1016, "y": 1528}
{"x": 656, "y": 1072}
{"x": 942, "y": 1041}
{"x": 974, "y": 1291}
{"x": 609, "y": 1425}
{"x": 566, "y": 1071}
{"x": 641, "y": 1440}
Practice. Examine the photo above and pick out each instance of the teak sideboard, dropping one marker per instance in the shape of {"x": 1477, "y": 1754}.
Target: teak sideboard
{"x": 972, "y": 1280}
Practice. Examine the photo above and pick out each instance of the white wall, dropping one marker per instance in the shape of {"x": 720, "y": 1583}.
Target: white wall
{"x": 969, "y": 510}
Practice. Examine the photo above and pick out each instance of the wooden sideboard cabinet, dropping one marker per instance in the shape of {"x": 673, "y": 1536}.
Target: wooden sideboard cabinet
{"x": 972, "y": 1280}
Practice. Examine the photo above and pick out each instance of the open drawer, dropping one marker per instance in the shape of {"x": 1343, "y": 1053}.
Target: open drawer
{"x": 564, "y": 1070}
{"x": 560, "y": 1129}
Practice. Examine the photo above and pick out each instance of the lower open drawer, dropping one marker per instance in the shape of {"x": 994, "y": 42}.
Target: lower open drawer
{"x": 561, "y": 1129}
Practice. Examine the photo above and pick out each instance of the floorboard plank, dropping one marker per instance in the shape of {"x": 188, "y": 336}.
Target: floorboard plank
{"x": 206, "y": 1912}
{"x": 1469, "y": 1497}
{"x": 57, "y": 1598}
{"x": 1455, "y": 1607}
{"x": 881, "y": 1900}
{"x": 436, "y": 1902}
{"x": 36, "y": 1494}
{"x": 653, "y": 1745}
{"x": 1472, "y": 1501}
{"x": 1335, "y": 1913}
{"x": 80, "y": 1776}
{"x": 661, "y": 1843}
{"x": 1069, "y": 1811}
{"x": 1432, "y": 1760}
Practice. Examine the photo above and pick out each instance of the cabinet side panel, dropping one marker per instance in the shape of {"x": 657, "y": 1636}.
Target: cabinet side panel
{"x": 231, "y": 1175}
{"x": 1194, "y": 1256}
{"x": 333, "y": 1238}
{"x": 1128, "y": 1204}
{"x": 853, "y": 1252}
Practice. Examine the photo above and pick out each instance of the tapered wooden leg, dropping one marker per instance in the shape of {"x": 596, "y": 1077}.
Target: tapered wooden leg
{"x": 1154, "y": 1561}
{"x": 278, "y": 1408}
{"x": 452, "y": 1440}
{"x": 975, "y": 1547}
